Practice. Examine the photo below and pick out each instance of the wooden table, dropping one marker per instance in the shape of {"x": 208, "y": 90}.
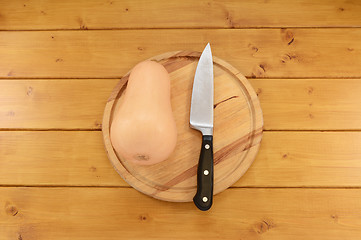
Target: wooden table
{"x": 59, "y": 61}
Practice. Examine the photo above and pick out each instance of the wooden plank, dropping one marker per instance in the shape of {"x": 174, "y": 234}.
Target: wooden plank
{"x": 78, "y": 158}
{"x": 258, "y": 53}
{"x": 110, "y": 14}
{"x": 53, "y": 104}
{"x": 93, "y": 213}
{"x": 310, "y": 104}
{"x": 306, "y": 159}
{"x": 287, "y": 104}
{"x": 55, "y": 158}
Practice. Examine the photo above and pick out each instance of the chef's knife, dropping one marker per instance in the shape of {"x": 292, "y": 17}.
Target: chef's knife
{"x": 201, "y": 119}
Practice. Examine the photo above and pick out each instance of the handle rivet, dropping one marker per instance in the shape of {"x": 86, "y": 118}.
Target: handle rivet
{"x": 207, "y": 146}
{"x": 205, "y": 199}
{"x": 206, "y": 172}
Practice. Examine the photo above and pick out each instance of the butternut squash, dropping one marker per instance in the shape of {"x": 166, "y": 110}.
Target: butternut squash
{"x": 144, "y": 130}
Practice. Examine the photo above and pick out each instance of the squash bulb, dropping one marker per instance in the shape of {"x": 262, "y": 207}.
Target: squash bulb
{"x": 143, "y": 130}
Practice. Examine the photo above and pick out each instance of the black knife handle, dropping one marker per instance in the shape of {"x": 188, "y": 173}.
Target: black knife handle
{"x": 204, "y": 196}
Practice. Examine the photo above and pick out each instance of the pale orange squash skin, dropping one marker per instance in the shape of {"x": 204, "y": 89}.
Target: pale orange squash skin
{"x": 144, "y": 130}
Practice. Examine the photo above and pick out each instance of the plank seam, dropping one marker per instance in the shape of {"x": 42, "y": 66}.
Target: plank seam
{"x": 177, "y": 28}
{"x": 248, "y": 77}
{"x": 129, "y": 187}
{"x": 99, "y": 130}
{"x": 50, "y": 129}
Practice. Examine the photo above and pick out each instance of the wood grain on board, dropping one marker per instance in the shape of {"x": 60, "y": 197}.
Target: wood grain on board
{"x": 113, "y": 213}
{"x": 111, "y": 14}
{"x": 238, "y": 126}
{"x": 256, "y": 53}
{"x": 287, "y": 104}
{"x": 78, "y": 158}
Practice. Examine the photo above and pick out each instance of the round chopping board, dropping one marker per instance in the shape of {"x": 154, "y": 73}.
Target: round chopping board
{"x": 238, "y": 124}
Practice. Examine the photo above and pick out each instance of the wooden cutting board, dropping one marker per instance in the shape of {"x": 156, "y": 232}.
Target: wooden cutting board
{"x": 238, "y": 124}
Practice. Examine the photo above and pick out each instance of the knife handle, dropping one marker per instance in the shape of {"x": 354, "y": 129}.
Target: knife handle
{"x": 204, "y": 196}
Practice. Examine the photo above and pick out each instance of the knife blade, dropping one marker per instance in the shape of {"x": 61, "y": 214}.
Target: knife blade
{"x": 201, "y": 119}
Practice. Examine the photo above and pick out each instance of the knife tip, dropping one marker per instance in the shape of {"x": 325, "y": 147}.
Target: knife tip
{"x": 207, "y": 48}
